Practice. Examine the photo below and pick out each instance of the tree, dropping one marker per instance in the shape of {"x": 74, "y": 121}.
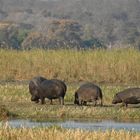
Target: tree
{"x": 34, "y": 40}
{"x": 65, "y": 33}
{"x": 12, "y": 35}
{"x": 88, "y": 32}
{"x": 59, "y": 33}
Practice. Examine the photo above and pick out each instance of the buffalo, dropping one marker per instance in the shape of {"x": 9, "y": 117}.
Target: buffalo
{"x": 51, "y": 89}
{"x": 60, "y": 84}
{"x": 33, "y": 87}
{"x": 88, "y": 92}
{"x": 127, "y": 96}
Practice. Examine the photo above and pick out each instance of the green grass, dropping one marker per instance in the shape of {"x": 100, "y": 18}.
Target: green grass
{"x": 111, "y": 66}
{"x": 16, "y": 99}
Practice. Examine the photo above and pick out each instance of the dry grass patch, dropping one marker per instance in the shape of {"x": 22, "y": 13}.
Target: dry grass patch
{"x": 116, "y": 65}
{"x": 65, "y": 134}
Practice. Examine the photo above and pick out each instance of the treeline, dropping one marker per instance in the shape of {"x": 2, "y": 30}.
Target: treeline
{"x": 62, "y": 33}
{"x": 105, "y": 22}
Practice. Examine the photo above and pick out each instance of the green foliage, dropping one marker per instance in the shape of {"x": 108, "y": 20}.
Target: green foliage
{"x": 93, "y": 43}
{"x": 60, "y": 34}
{"x": 88, "y": 32}
{"x": 21, "y": 35}
{"x": 112, "y": 21}
{"x": 18, "y": 37}
{"x": 11, "y": 36}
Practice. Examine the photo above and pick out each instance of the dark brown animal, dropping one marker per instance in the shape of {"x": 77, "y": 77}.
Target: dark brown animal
{"x": 88, "y": 92}
{"x": 61, "y": 84}
{"x": 127, "y": 96}
{"x": 51, "y": 89}
{"x": 33, "y": 87}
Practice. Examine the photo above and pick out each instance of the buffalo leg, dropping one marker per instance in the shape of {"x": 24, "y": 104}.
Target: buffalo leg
{"x": 51, "y": 102}
{"x": 42, "y": 100}
{"x": 84, "y": 103}
{"x": 61, "y": 101}
{"x": 37, "y": 101}
{"x": 124, "y": 104}
{"x": 80, "y": 102}
{"x": 95, "y": 102}
{"x": 101, "y": 102}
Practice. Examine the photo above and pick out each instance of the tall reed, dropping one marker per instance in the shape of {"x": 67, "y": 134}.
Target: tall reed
{"x": 65, "y": 134}
{"x": 114, "y": 66}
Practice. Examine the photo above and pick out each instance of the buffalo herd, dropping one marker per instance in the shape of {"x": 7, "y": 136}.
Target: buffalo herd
{"x": 41, "y": 88}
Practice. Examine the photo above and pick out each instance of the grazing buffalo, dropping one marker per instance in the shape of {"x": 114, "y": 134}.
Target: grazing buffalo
{"x": 51, "y": 89}
{"x": 127, "y": 96}
{"x": 33, "y": 87}
{"x": 61, "y": 84}
{"x": 88, "y": 92}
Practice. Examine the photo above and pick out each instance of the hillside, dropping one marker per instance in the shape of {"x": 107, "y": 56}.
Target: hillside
{"x": 110, "y": 21}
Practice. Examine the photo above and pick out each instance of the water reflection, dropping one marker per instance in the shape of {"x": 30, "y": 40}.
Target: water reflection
{"x": 71, "y": 124}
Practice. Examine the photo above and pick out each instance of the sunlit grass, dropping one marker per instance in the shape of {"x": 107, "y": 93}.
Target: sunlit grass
{"x": 117, "y": 66}
{"x": 102, "y": 66}
{"x": 113, "y": 66}
{"x": 16, "y": 99}
{"x": 65, "y": 134}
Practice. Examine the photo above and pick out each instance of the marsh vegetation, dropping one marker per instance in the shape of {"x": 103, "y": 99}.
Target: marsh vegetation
{"x": 113, "y": 70}
{"x": 59, "y": 133}
{"x": 16, "y": 99}
{"x": 106, "y": 66}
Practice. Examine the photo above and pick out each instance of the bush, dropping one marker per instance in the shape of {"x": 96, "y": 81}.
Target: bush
{"x": 93, "y": 43}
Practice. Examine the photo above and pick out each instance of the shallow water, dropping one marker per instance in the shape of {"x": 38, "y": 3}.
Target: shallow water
{"x": 71, "y": 124}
